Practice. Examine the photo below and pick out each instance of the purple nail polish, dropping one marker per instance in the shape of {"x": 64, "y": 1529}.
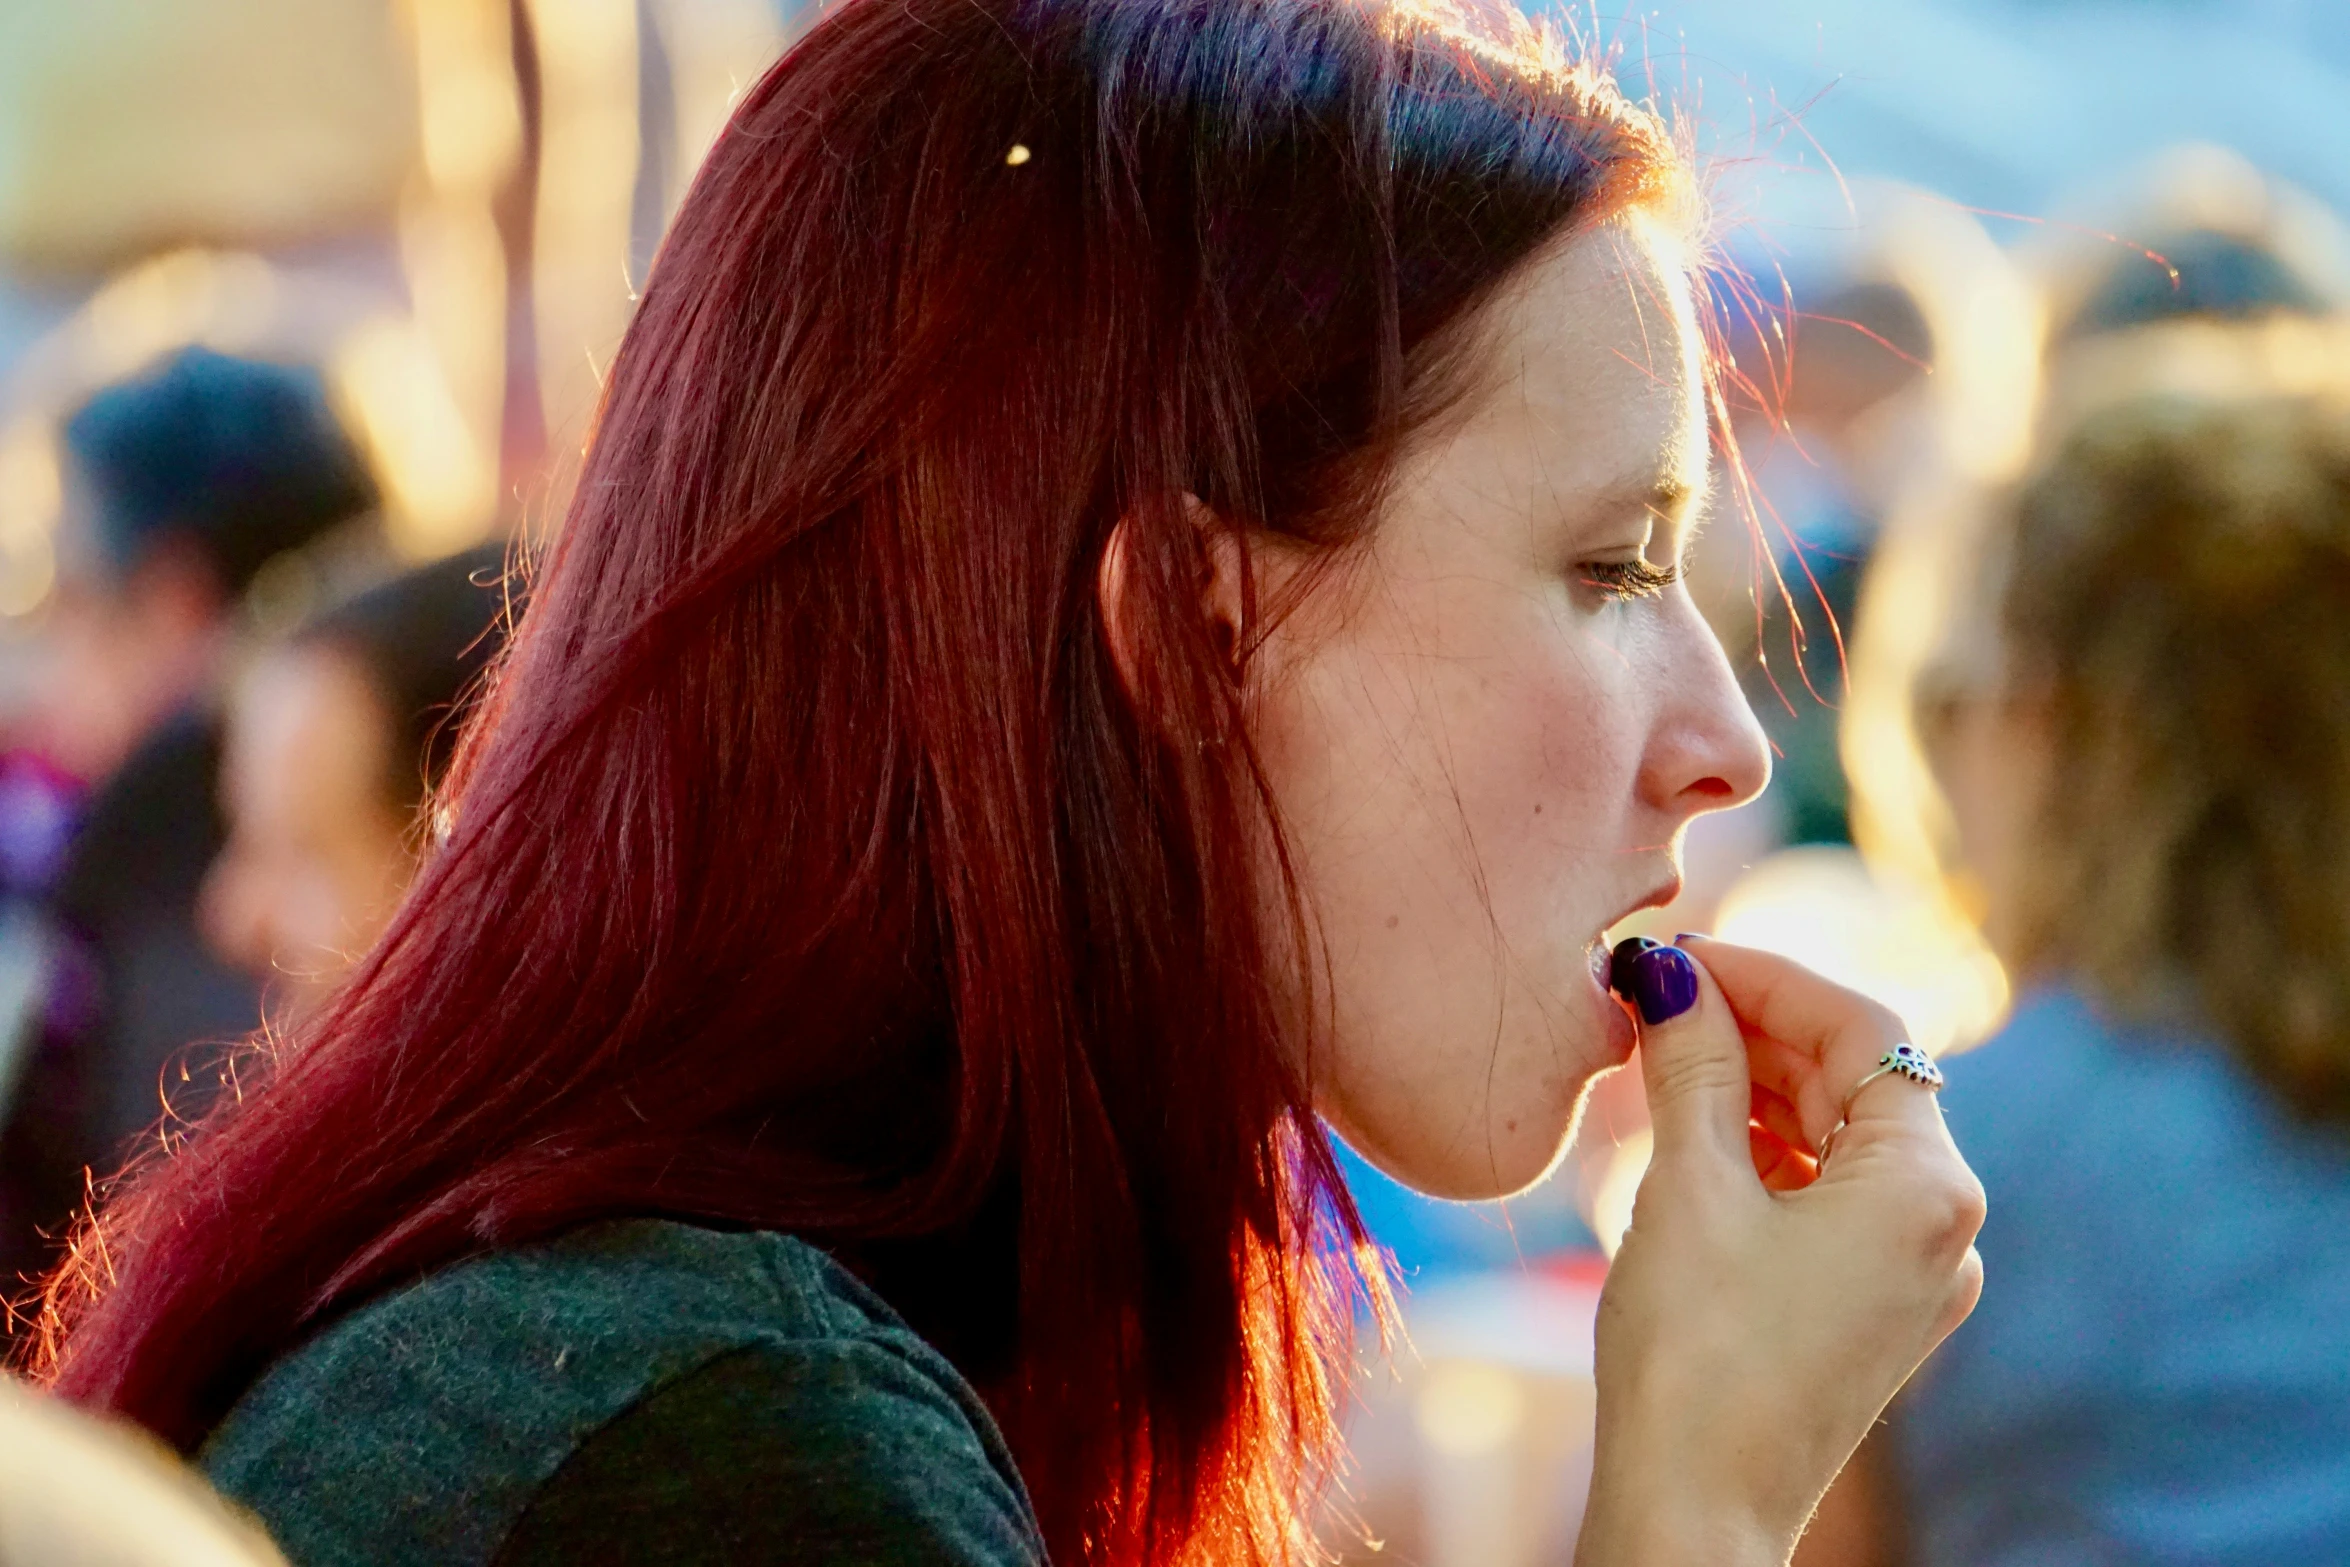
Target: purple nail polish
{"x": 1664, "y": 984}
{"x": 1683, "y": 938}
{"x": 1619, "y": 966}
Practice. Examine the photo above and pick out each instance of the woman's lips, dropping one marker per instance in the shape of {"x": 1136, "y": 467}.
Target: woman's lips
{"x": 1657, "y": 897}
{"x": 1621, "y": 1035}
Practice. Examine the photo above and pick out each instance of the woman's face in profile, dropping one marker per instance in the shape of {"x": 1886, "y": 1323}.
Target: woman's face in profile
{"x": 316, "y": 857}
{"x": 1485, "y": 738}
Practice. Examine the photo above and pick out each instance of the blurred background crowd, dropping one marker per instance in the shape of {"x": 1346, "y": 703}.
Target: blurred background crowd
{"x": 2032, "y": 548}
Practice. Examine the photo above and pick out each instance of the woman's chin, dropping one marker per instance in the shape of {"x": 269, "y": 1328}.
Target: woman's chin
{"x": 1503, "y": 1122}
{"x": 1518, "y": 1151}
{"x": 1619, "y": 1034}
{"x": 1510, "y": 1172}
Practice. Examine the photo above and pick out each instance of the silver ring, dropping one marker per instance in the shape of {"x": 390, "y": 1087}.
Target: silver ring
{"x": 1902, "y": 1060}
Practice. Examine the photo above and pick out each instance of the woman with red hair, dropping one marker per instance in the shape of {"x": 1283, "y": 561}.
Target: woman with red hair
{"x": 1123, "y": 607}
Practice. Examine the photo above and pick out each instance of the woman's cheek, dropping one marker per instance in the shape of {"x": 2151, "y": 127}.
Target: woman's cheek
{"x": 1563, "y": 750}
{"x": 1456, "y": 824}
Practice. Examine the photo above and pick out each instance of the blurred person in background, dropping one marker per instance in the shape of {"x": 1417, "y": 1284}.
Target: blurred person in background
{"x": 2148, "y": 769}
{"x": 335, "y": 737}
{"x": 184, "y": 483}
{"x": 76, "y": 1491}
{"x": 2195, "y": 234}
{"x": 2226, "y": 286}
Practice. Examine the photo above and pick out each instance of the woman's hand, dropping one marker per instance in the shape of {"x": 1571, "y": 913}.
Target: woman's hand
{"x": 1757, "y": 1320}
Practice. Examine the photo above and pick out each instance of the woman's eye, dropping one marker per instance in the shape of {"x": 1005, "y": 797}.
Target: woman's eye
{"x": 1621, "y": 580}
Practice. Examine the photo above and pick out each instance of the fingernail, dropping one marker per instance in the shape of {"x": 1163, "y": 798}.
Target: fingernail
{"x": 1664, "y": 984}
{"x": 1619, "y": 962}
{"x": 1685, "y": 937}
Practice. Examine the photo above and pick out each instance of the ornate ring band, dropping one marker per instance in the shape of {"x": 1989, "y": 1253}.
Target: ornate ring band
{"x": 1901, "y": 1061}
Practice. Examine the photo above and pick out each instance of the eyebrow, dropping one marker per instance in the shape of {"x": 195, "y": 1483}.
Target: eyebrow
{"x": 1666, "y": 499}
{"x": 1669, "y": 502}
{"x": 1671, "y": 498}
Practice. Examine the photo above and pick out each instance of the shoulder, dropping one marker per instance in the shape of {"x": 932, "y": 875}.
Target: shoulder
{"x": 838, "y": 1452}
{"x": 150, "y": 828}
{"x": 2056, "y": 1071}
{"x": 2066, "y": 1097}
{"x": 426, "y": 1424}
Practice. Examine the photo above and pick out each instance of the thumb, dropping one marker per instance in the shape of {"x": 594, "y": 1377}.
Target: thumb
{"x": 1692, "y": 1055}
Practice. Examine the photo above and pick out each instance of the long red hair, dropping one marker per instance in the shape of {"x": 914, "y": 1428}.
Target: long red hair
{"x": 811, "y": 868}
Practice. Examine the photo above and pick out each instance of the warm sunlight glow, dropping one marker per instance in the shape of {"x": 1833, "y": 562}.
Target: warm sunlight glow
{"x": 587, "y": 182}
{"x": 224, "y": 299}
{"x": 31, "y": 496}
{"x": 1896, "y": 942}
{"x": 434, "y": 471}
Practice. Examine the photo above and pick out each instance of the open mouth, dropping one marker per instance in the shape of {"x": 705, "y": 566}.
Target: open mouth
{"x": 1598, "y": 953}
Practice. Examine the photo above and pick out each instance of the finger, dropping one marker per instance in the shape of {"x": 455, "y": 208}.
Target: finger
{"x": 1780, "y": 1168}
{"x": 1834, "y": 1036}
{"x": 1775, "y": 1115}
{"x": 1692, "y": 1057}
{"x": 1965, "y": 1291}
{"x": 1795, "y": 1081}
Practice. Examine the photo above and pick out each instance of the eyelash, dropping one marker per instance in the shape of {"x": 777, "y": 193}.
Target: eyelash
{"x": 1624, "y": 580}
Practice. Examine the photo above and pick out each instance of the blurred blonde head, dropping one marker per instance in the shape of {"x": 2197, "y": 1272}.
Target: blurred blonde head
{"x": 2140, "y": 718}
{"x": 2193, "y": 276}
{"x": 81, "y": 1492}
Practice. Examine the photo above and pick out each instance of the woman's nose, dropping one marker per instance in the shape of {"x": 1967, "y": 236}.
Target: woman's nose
{"x": 1707, "y": 751}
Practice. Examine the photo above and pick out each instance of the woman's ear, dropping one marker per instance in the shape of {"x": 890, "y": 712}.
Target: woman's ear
{"x": 1122, "y": 584}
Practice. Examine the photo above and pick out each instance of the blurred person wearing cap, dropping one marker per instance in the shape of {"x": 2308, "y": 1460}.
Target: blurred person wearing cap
{"x": 2203, "y": 236}
{"x": 184, "y": 483}
{"x": 335, "y": 737}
